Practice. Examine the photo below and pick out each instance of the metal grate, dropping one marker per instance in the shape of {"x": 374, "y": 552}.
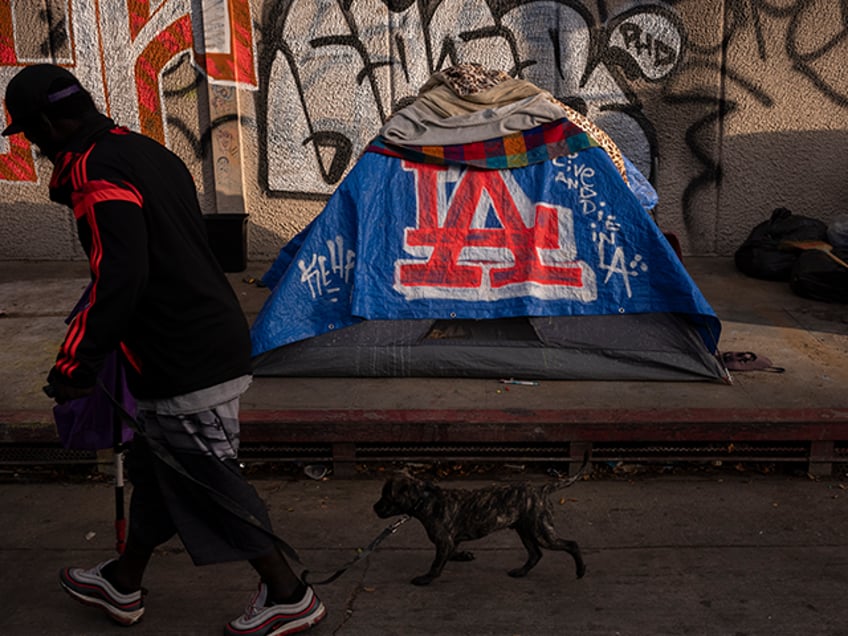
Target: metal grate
{"x": 463, "y": 452}
{"x": 54, "y": 455}
{"x": 21, "y": 455}
{"x": 249, "y": 453}
{"x": 746, "y": 451}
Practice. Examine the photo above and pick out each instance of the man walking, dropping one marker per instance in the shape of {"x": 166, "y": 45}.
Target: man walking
{"x": 160, "y": 297}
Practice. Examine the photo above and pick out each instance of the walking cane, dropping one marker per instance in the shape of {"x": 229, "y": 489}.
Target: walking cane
{"x": 117, "y": 380}
{"x": 120, "y": 520}
{"x": 118, "y": 451}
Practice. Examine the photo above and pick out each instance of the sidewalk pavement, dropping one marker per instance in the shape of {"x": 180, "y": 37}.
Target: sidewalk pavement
{"x": 711, "y": 554}
{"x": 808, "y": 403}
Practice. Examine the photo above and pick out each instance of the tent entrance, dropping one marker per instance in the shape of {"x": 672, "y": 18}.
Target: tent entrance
{"x": 498, "y": 331}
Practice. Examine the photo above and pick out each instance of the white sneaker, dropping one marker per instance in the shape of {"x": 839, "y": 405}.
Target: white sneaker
{"x": 277, "y": 620}
{"x": 90, "y": 587}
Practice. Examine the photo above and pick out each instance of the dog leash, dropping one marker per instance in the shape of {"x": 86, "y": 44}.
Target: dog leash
{"x": 233, "y": 507}
{"x": 223, "y": 501}
{"x": 389, "y": 530}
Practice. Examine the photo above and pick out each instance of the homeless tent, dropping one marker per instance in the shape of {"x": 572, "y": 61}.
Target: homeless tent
{"x": 488, "y": 231}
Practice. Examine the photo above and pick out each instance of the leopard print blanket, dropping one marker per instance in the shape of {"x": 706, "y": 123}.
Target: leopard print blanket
{"x": 470, "y": 78}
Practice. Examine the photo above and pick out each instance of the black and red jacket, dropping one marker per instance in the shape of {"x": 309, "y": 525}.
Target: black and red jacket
{"x": 157, "y": 291}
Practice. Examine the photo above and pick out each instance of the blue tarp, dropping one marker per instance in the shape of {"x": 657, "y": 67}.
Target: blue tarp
{"x": 403, "y": 240}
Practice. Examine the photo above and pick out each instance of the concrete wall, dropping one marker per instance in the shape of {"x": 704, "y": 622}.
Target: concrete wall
{"x": 739, "y": 106}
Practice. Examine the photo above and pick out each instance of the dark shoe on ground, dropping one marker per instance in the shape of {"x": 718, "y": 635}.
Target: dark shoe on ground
{"x": 260, "y": 619}
{"x": 90, "y": 587}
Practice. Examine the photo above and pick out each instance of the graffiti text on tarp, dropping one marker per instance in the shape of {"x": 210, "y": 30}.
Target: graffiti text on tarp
{"x": 577, "y": 176}
{"x": 328, "y": 274}
{"x": 479, "y": 237}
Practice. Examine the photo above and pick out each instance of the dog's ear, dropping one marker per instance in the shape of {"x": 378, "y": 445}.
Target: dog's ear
{"x": 404, "y": 484}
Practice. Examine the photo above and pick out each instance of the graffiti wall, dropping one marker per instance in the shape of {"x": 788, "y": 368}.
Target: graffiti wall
{"x": 731, "y": 108}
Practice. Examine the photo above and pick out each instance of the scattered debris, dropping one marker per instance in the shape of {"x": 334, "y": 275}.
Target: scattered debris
{"x": 519, "y": 382}
{"x": 315, "y": 471}
{"x": 250, "y": 280}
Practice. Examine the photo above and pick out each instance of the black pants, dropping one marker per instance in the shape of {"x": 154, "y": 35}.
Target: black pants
{"x": 165, "y": 502}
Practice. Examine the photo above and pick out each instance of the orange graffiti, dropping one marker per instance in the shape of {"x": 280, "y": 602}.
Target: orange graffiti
{"x": 138, "y": 12}
{"x": 18, "y": 164}
{"x": 7, "y": 43}
{"x": 238, "y": 65}
{"x": 174, "y": 39}
{"x": 234, "y": 62}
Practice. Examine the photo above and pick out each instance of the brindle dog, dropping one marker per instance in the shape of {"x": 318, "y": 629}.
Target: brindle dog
{"x": 453, "y": 516}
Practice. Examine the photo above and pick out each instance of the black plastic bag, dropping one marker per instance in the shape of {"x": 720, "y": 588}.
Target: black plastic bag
{"x": 818, "y": 276}
{"x": 760, "y": 255}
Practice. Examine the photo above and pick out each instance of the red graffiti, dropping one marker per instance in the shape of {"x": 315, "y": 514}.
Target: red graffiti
{"x": 232, "y": 61}
{"x": 162, "y": 49}
{"x": 448, "y": 266}
{"x": 7, "y": 42}
{"x": 237, "y": 65}
{"x": 18, "y": 164}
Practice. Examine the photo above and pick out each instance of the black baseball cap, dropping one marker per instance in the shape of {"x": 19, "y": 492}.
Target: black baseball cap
{"x": 34, "y": 90}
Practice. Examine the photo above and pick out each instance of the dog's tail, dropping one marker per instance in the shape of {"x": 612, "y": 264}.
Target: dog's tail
{"x": 565, "y": 483}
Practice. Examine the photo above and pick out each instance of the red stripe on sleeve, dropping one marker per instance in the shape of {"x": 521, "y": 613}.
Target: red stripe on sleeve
{"x": 95, "y": 192}
{"x": 77, "y": 331}
{"x": 131, "y": 358}
{"x": 65, "y": 362}
{"x": 84, "y": 201}
{"x": 79, "y": 172}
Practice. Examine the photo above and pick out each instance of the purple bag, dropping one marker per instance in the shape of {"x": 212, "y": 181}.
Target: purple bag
{"x": 93, "y": 422}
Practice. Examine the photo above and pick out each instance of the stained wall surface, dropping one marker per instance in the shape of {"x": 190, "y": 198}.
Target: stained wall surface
{"x": 732, "y": 107}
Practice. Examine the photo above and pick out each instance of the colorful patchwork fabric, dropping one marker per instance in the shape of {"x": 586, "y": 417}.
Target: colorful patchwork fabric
{"x": 523, "y": 148}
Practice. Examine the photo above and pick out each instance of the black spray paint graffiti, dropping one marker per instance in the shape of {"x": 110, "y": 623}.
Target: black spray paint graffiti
{"x": 807, "y": 48}
{"x": 57, "y": 35}
{"x": 331, "y": 73}
{"x": 746, "y": 18}
{"x": 47, "y": 30}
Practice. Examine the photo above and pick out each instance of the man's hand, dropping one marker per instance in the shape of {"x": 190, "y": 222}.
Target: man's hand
{"x": 62, "y": 389}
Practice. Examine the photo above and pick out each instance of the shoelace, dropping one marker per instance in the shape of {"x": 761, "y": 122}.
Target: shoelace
{"x": 252, "y": 610}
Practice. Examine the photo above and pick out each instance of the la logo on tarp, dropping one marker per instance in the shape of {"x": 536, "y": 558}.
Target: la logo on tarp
{"x": 480, "y": 237}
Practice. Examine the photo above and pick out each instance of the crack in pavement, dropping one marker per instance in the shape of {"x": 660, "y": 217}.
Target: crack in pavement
{"x": 351, "y": 600}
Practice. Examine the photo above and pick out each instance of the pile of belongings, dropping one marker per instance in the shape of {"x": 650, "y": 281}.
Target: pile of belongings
{"x": 487, "y": 231}
{"x": 808, "y": 253}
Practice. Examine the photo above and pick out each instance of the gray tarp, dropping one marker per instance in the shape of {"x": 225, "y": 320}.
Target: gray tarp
{"x": 631, "y": 347}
